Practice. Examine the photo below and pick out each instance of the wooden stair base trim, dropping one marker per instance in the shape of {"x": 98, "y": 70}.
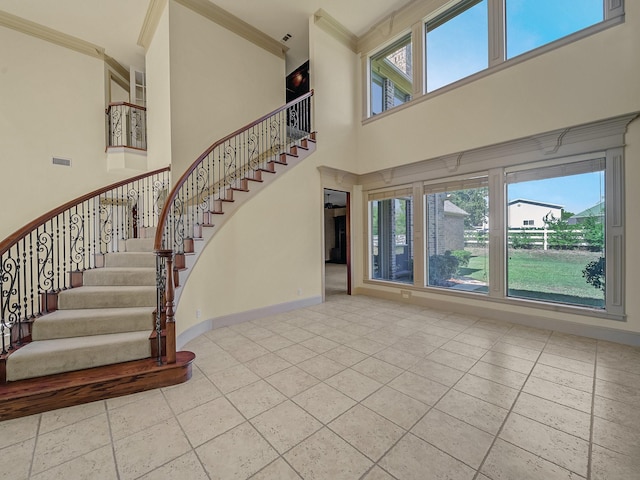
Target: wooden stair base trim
{"x": 37, "y": 395}
{"x": 76, "y": 279}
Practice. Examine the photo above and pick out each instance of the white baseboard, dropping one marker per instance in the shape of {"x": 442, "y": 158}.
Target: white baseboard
{"x": 235, "y": 318}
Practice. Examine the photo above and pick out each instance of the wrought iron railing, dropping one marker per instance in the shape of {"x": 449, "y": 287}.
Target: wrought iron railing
{"x": 39, "y": 260}
{"x": 223, "y": 167}
{"x": 127, "y": 125}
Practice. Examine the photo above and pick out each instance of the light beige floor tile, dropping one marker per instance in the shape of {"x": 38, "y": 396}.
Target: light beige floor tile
{"x": 452, "y": 359}
{"x": 508, "y": 462}
{"x": 437, "y": 372}
{"x": 246, "y": 352}
{"x": 622, "y": 439}
{"x": 209, "y": 420}
{"x": 237, "y": 454}
{"x": 615, "y": 391}
{"x": 414, "y": 459}
{"x": 147, "y": 450}
{"x": 618, "y": 376}
{"x": 186, "y": 467}
{"x": 487, "y": 390}
{"x": 17, "y": 430}
{"x": 558, "y": 447}
{"x": 276, "y": 342}
{"x": 376, "y": 473}
{"x": 321, "y": 367}
{"x": 134, "y": 397}
{"x": 618, "y": 412}
{"x": 422, "y": 389}
{"x": 474, "y": 340}
{"x": 414, "y": 347}
{"x": 572, "y": 341}
{"x": 319, "y": 344}
{"x": 566, "y": 396}
{"x": 16, "y": 460}
{"x": 366, "y": 346}
{"x": 219, "y": 333}
{"x": 278, "y": 470}
{"x": 137, "y": 416}
{"x": 383, "y": 337}
{"x": 533, "y": 333}
{"x": 258, "y": 333}
{"x": 297, "y": 335}
{"x": 483, "y": 415}
{"x": 353, "y": 384}
{"x": 587, "y": 356}
{"x": 568, "y": 364}
{"x": 370, "y": 433}
{"x": 563, "y": 377}
{"x": 608, "y": 465}
{"x": 285, "y": 425}
{"x": 296, "y": 354}
{"x": 280, "y": 327}
{"x": 191, "y": 394}
{"x": 528, "y": 343}
{"x": 508, "y": 361}
{"x": 401, "y": 409}
{"x": 233, "y": 378}
{"x": 325, "y": 455}
{"x": 618, "y": 356}
{"x": 292, "y": 381}
{"x": 443, "y": 329}
{"x": 267, "y": 365}
{"x": 215, "y": 363}
{"x": 340, "y": 336}
{"x": 455, "y": 437}
{"x": 66, "y": 416}
{"x": 98, "y": 464}
{"x": 345, "y": 355}
{"x": 324, "y": 402}
{"x": 501, "y": 375}
{"x": 397, "y": 358}
{"x": 378, "y": 370}
{"x": 467, "y": 350}
{"x": 516, "y": 351}
{"x": 69, "y": 442}
{"x": 255, "y": 398}
{"x": 554, "y": 415}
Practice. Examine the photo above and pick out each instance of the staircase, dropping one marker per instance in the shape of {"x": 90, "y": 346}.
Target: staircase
{"x": 87, "y": 291}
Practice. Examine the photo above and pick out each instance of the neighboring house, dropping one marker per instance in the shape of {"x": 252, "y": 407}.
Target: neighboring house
{"x": 530, "y": 213}
{"x": 453, "y": 226}
{"x": 596, "y": 211}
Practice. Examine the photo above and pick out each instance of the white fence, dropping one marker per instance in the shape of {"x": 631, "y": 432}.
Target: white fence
{"x": 528, "y": 238}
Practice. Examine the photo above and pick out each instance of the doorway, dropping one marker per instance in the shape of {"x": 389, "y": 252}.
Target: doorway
{"x": 337, "y": 252}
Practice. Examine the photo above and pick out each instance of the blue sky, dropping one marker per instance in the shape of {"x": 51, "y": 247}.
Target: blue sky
{"x": 576, "y": 192}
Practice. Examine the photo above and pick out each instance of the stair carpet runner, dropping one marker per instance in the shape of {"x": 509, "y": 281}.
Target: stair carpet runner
{"x": 106, "y": 321}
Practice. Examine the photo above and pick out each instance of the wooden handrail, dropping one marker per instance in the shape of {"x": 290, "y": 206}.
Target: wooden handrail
{"x": 127, "y": 104}
{"x": 174, "y": 191}
{"x": 18, "y": 235}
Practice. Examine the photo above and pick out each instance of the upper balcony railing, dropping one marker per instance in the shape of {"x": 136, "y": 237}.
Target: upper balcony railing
{"x": 127, "y": 125}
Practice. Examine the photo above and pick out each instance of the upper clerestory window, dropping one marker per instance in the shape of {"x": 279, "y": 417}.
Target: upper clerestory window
{"x": 391, "y": 76}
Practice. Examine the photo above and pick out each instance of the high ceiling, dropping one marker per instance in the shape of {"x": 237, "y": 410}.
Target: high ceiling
{"x": 115, "y": 24}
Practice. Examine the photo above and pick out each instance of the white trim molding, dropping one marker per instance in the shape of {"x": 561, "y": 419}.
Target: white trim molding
{"x": 151, "y": 22}
{"x": 336, "y": 29}
{"x": 50, "y": 35}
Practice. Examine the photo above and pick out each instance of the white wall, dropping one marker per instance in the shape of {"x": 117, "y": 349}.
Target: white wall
{"x": 521, "y": 211}
{"x": 158, "y": 76}
{"x": 52, "y": 103}
{"x": 219, "y": 83}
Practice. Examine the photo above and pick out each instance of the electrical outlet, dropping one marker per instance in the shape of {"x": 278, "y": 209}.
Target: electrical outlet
{"x": 405, "y": 293}
{"x": 198, "y": 313}
{"x": 299, "y": 291}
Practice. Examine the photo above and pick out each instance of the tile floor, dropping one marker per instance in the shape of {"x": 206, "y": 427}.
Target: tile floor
{"x": 358, "y": 388}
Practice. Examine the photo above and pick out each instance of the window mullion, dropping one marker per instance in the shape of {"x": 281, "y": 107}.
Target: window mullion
{"x": 496, "y": 32}
{"x": 497, "y": 237}
{"x": 613, "y": 8}
{"x": 614, "y": 240}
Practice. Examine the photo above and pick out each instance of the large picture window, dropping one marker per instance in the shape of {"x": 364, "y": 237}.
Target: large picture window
{"x": 457, "y": 240}
{"x": 559, "y": 254}
{"x": 392, "y": 239}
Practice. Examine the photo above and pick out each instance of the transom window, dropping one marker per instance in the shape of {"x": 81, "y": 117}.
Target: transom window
{"x": 391, "y": 76}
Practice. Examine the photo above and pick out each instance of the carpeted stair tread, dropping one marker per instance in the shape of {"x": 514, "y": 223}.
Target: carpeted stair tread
{"x": 48, "y": 357}
{"x": 119, "y": 276}
{"x": 107, "y": 297}
{"x": 85, "y": 322}
{"x": 130, "y": 259}
{"x": 139, "y": 245}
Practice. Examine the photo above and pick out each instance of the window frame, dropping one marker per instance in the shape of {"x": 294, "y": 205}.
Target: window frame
{"x": 614, "y": 14}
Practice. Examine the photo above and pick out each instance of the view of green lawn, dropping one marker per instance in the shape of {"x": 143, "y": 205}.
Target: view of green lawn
{"x": 554, "y": 275}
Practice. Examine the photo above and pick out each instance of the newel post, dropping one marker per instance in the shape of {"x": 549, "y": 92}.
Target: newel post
{"x": 169, "y": 296}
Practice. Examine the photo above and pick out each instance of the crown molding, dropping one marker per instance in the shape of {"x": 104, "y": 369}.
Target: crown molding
{"x": 236, "y": 25}
{"x": 50, "y": 35}
{"x": 336, "y": 29}
{"x": 151, "y": 22}
{"x": 116, "y": 67}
